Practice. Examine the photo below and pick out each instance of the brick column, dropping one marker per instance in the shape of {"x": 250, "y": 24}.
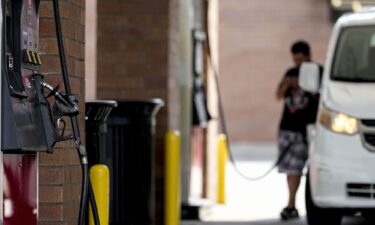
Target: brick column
{"x": 60, "y": 172}
{"x": 135, "y": 62}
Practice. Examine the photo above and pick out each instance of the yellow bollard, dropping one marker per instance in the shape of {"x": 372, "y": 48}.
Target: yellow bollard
{"x": 222, "y": 156}
{"x": 172, "y": 178}
{"x": 99, "y": 175}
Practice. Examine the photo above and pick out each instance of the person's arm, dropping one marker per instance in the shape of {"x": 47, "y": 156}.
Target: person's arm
{"x": 281, "y": 90}
{"x": 285, "y": 84}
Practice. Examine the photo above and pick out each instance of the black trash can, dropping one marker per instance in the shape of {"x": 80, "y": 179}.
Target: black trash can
{"x": 130, "y": 158}
{"x": 97, "y": 112}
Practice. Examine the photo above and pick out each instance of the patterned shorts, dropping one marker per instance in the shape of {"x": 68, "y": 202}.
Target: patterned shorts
{"x": 295, "y": 157}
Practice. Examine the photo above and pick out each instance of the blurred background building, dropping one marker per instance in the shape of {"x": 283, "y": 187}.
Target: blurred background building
{"x": 168, "y": 49}
{"x": 338, "y": 7}
{"x": 255, "y": 40}
{"x": 140, "y": 50}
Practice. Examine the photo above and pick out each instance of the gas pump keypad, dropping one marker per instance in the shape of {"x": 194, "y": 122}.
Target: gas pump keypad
{"x": 31, "y": 57}
{"x": 39, "y": 62}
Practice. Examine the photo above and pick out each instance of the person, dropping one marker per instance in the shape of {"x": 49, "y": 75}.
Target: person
{"x": 300, "y": 109}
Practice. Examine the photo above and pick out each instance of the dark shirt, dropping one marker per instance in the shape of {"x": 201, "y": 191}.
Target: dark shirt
{"x": 300, "y": 107}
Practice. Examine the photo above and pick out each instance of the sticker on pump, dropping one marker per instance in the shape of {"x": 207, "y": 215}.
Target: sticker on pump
{"x": 26, "y": 82}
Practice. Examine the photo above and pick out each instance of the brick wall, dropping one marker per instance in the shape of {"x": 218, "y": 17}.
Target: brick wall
{"x": 60, "y": 173}
{"x": 135, "y": 62}
{"x": 255, "y": 37}
{"x": 132, "y": 49}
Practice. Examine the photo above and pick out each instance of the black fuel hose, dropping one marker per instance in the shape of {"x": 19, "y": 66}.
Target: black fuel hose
{"x": 86, "y": 190}
{"x": 222, "y": 117}
{"x": 84, "y": 194}
{"x": 225, "y": 131}
{"x": 93, "y": 203}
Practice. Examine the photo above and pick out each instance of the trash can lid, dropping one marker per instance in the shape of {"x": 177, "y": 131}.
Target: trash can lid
{"x": 154, "y": 101}
{"x": 137, "y": 108}
{"x": 98, "y": 110}
{"x": 112, "y": 103}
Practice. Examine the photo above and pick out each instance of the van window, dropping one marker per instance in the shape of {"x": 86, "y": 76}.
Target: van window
{"x": 354, "y": 59}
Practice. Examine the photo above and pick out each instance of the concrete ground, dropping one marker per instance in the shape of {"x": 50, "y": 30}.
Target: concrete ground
{"x": 256, "y": 202}
{"x": 253, "y": 200}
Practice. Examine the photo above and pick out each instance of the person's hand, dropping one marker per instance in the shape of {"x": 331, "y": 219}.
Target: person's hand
{"x": 293, "y": 82}
{"x": 288, "y": 82}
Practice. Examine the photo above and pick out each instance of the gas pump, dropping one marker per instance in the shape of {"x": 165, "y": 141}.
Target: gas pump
{"x": 30, "y": 122}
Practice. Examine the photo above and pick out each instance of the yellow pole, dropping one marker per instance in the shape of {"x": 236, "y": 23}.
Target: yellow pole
{"x": 222, "y": 156}
{"x": 99, "y": 175}
{"x": 172, "y": 178}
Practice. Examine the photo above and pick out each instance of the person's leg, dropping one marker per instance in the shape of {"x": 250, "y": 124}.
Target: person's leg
{"x": 294, "y": 162}
{"x": 293, "y": 184}
{"x": 290, "y": 210}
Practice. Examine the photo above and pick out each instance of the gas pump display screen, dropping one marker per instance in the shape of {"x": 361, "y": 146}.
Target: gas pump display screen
{"x": 29, "y": 27}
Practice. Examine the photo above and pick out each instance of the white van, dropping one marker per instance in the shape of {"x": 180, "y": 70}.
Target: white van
{"x": 341, "y": 167}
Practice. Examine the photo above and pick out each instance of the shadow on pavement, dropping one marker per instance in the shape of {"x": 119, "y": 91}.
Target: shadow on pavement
{"x": 300, "y": 221}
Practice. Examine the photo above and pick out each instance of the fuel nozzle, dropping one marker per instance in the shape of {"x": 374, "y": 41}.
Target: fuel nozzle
{"x": 65, "y": 105}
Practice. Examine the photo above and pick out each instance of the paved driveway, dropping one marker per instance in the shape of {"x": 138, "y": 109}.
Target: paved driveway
{"x": 301, "y": 221}
{"x": 256, "y": 202}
